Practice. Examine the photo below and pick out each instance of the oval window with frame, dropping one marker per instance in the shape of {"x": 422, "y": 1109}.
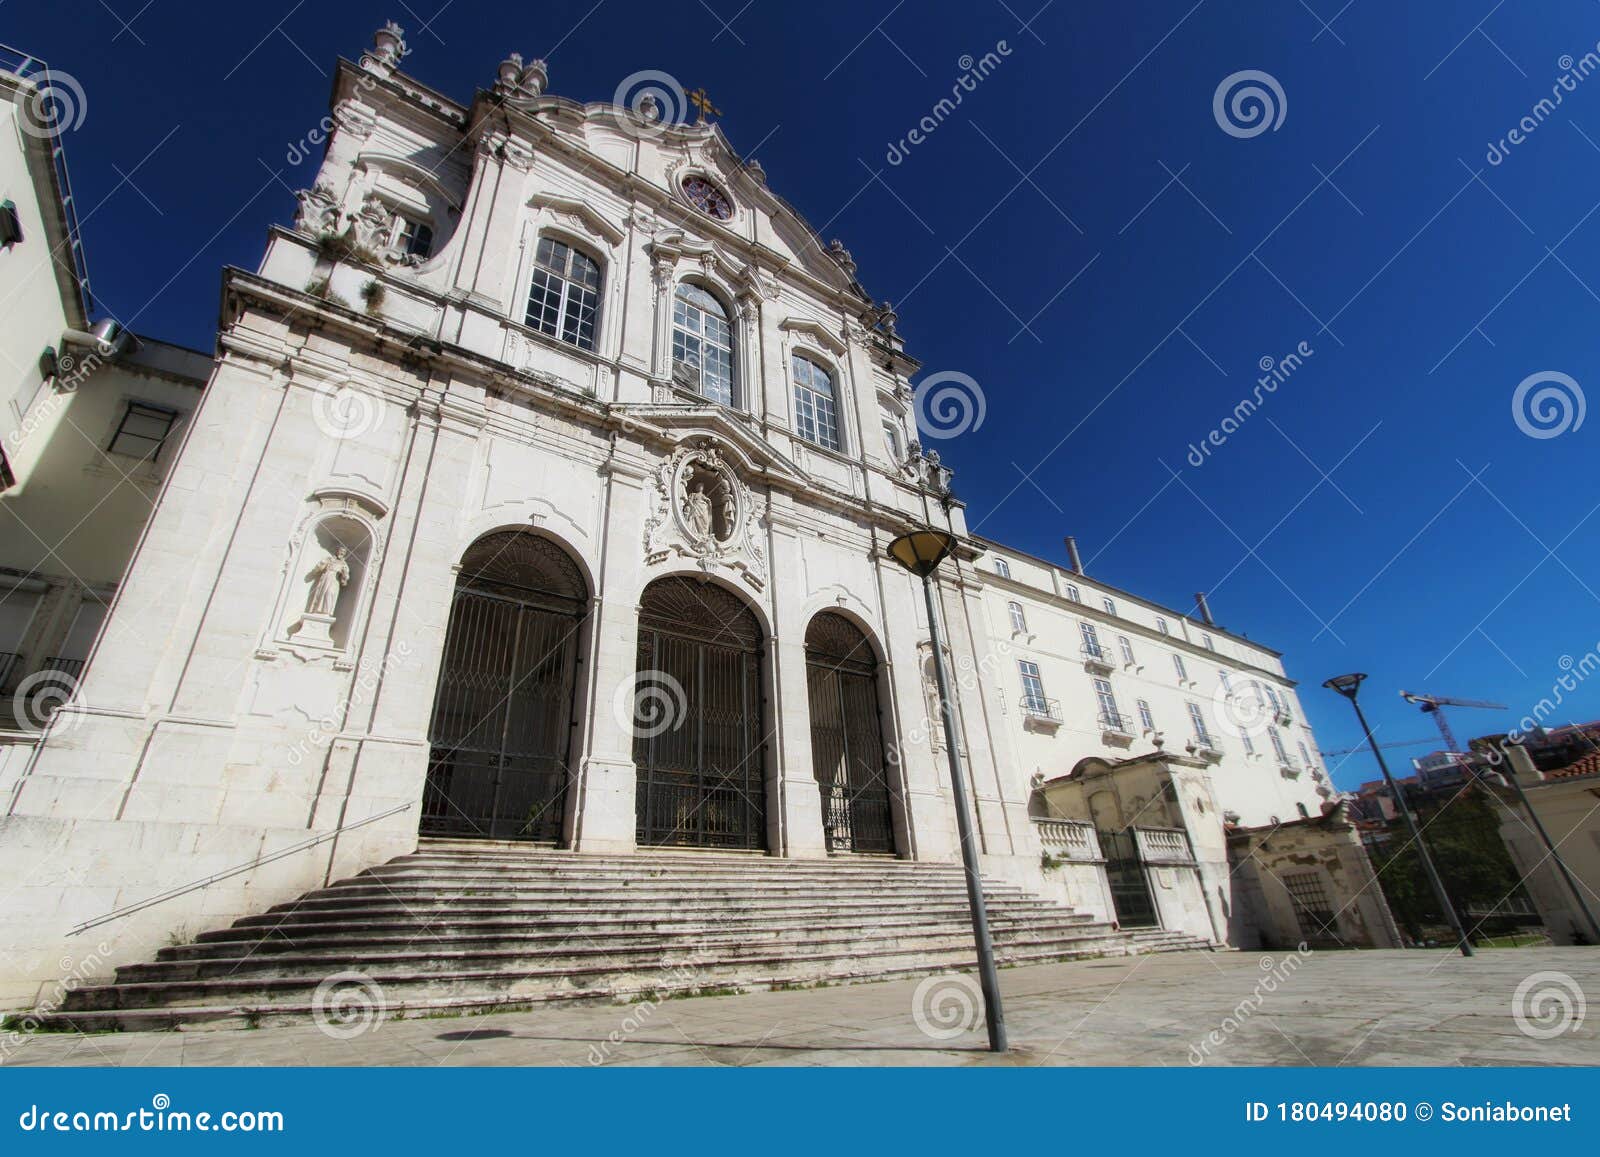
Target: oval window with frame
{"x": 706, "y": 197}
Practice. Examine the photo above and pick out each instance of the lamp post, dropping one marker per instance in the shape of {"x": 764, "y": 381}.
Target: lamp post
{"x": 1349, "y": 686}
{"x": 921, "y": 552}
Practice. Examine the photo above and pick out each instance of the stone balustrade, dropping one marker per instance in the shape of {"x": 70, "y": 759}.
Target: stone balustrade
{"x": 1164, "y": 845}
{"x": 1068, "y": 839}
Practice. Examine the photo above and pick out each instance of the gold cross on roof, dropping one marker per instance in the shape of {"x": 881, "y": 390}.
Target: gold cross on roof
{"x": 702, "y": 103}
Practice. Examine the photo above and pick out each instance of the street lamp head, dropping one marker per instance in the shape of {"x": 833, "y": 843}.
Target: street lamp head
{"x": 921, "y": 551}
{"x": 1346, "y": 685}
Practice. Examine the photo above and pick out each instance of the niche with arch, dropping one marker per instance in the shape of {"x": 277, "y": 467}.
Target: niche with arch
{"x": 325, "y": 584}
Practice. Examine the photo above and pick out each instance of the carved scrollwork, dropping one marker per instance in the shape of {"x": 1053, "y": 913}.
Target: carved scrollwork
{"x": 701, "y": 510}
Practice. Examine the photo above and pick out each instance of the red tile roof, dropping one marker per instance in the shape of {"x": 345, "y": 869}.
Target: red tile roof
{"x": 1588, "y": 765}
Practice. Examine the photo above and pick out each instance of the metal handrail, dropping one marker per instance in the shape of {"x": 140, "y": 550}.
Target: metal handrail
{"x": 1098, "y": 653}
{"x": 174, "y": 893}
{"x": 1116, "y": 721}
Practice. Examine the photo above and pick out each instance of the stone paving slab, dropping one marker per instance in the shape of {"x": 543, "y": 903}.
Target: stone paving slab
{"x": 1323, "y": 1008}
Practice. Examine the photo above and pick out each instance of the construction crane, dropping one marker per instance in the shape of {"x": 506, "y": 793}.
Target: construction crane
{"x": 1431, "y": 704}
{"x": 1364, "y": 747}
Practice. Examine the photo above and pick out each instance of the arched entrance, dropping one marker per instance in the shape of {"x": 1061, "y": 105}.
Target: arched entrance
{"x": 502, "y": 716}
{"x": 847, "y": 736}
{"x": 699, "y": 742}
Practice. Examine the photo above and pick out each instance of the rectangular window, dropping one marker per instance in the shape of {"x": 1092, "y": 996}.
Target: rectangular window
{"x": 1272, "y": 697}
{"x": 1161, "y": 625}
{"x": 1305, "y": 755}
{"x": 815, "y": 411}
{"x": 1227, "y": 683}
{"x": 142, "y": 431}
{"x": 412, "y": 237}
{"x": 1311, "y": 908}
{"x": 564, "y": 294}
{"x": 1110, "y": 605}
{"x": 1206, "y": 639}
{"x": 1197, "y": 717}
{"x": 1091, "y": 641}
{"x": 1277, "y": 745}
{"x": 1032, "y": 686}
{"x": 1107, "y": 699}
{"x": 1249, "y": 744}
{"x": 1002, "y": 568}
{"x": 1146, "y": 720}
{"x": 891, "y": 441}
{"x": 1019, "y": 621}
{"x": 1073, "y": 594}
{"x": 1127, "y": 649}
{"x": 1178, "y": 666}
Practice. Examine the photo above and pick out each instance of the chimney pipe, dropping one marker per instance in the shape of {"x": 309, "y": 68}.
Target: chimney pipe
{"x": 1075, "y": 560}
{"x": 1205, "y": 608}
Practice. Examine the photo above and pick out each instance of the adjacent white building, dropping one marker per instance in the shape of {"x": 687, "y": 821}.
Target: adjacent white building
{"x": 540, "y": 492}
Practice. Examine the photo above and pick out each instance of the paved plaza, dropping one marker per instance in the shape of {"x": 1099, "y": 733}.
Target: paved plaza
{"x": 1215, "y": 1008}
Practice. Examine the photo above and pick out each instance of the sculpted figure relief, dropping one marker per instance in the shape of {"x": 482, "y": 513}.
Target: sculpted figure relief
{"x": 327, "y": 580}
{"x": 697, "y": 510}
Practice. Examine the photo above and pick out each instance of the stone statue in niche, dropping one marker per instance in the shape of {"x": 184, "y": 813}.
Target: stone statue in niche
{"x": 710, "y": 509}
{"x": 327, "y": 580}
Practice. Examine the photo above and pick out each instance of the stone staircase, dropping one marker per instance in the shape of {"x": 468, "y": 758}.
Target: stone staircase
{"x": 467, "y": 927}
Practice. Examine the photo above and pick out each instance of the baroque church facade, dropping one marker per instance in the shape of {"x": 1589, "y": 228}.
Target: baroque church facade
{"x": 540, "y": 492}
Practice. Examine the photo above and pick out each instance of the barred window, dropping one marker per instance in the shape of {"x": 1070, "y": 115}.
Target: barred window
{"x": 816, "y": 414}
{"x": 702, "y": 342}
{"x": 565, "y": 294}
{"x": 143, "y": 431}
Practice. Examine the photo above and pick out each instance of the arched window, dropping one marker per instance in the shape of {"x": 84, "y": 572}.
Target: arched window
{"x": 702, "y": 343}
{"x": 816, "y": 413}
{"x": 565, "y": 294}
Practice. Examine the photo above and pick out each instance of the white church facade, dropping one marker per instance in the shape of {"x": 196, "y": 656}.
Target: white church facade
{"x": 540, "y": 494}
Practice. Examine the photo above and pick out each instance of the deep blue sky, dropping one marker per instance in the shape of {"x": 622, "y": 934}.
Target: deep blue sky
{"x": 1398, "y": 563}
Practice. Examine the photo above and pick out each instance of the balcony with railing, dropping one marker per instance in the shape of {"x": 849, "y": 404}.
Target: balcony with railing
{"x": 1116, "y": 727}
{"x": 1068, "y": 840}
{"x": 1287, "y": 767}
{"x": 1206, "y": 746}
{"x": 1165, "y": 846}
{"x": 1039, "y": 712}
{"x": 1098, "y": 658}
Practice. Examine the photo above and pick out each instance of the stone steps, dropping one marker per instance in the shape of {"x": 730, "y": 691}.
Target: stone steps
{"x": 458, "y": 927}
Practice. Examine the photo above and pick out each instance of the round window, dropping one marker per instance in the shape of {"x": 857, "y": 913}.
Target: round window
{"x": 706, "y": 197}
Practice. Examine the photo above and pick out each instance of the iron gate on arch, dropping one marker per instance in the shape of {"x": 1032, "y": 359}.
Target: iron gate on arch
{"x": 699, "y": 743}
{"x": 847, "y": 754}
{"x": 503, "y": 712}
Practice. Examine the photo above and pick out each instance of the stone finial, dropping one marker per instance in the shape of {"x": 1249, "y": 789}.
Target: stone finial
{"x": 509, "y": 73}
{"x": 757, "y": 173}
{"x": 389, "y": 43}
{"x": 842, "y": 256}
{"x": 534, "y": 78}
